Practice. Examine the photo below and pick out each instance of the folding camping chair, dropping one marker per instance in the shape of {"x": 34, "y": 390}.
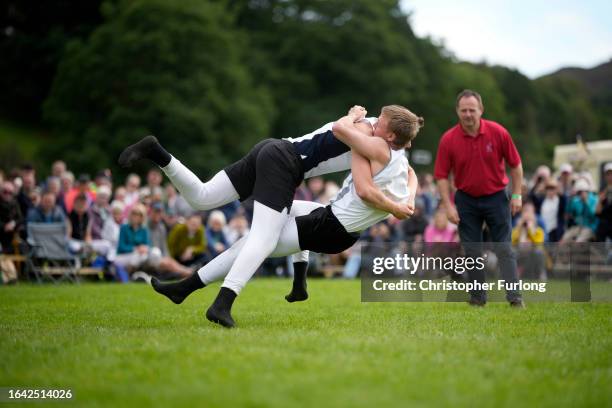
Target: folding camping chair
{"x": 49, "y": 255}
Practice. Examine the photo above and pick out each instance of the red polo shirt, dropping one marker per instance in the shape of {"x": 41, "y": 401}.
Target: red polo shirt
{"x": 478, "y": 163}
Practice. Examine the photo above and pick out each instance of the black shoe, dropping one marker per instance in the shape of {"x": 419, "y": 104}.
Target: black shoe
{"x": 476, "y": 302}
{"x": 517, "y": 304}
{"x": 220, "y": 311}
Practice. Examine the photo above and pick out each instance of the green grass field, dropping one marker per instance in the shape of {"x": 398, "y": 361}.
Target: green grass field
{"x": 124, "y": 345}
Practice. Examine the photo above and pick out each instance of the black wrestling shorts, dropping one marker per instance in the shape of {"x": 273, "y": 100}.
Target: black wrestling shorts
{"x": 320, "y": 231}
{"x": 270, "y": 173}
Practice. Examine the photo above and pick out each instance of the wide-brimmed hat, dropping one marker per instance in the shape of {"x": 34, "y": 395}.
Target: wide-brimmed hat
{"x": 581, "y": 185}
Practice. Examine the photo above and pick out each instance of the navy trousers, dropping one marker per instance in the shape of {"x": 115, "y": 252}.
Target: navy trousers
{"x": 494, "y": 210}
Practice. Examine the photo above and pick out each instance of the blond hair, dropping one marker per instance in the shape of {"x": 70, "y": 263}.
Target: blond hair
{"x": 404, "y": 124}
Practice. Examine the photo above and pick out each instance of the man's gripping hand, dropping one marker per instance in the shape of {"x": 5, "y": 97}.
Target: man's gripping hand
{"x": 403, "y": 211}
{"x": 357, "y": 113}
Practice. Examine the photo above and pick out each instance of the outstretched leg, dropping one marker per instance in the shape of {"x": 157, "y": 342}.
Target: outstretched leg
{"x": 201, "y": 196}
{"x": 261, "y": 241}
{"x": 218, "y": 268}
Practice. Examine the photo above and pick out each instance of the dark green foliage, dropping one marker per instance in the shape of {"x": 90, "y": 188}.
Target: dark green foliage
{"x": 32, "y": 38}
{"x": 176, "y": 71}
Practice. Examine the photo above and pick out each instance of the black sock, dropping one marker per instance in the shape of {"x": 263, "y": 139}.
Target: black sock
{"x": 220, "y": 311}
{"x": 147, "y": 148}
{"x": 298, "y": 291}
{"x": 159, "y": 155}
{"x": 178, "y": 291}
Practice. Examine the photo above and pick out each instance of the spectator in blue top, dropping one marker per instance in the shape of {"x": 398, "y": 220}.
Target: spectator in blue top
{"x": 47, "y": 211}
{"x": 215, "y": 237}
{"x": 134, "y": 250}
{"x": 581, "y": 210}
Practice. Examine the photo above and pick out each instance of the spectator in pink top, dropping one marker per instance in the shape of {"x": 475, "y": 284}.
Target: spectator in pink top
{"x": 440, "y": 230}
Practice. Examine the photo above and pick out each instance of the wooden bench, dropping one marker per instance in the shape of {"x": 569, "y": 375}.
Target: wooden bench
{"x": 13, "y": 257}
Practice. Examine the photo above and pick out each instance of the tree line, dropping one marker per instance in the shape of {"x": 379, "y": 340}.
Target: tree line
{"x": 211, "y": 78}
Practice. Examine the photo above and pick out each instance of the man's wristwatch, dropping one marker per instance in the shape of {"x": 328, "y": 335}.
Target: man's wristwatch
{"x": 517, "y": 196}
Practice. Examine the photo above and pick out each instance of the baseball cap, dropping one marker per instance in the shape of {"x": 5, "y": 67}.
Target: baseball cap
{"x": 608, "y": 167}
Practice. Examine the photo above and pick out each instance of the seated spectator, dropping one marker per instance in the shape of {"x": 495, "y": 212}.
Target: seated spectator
{"x": 303, "y": 193}
{"x": 153, "y": 187}
{"x": 329, "y": 191}
{"x": 112, "y": 225}
{"x": 54, "y": 185}
{"x": 581, "y": 210}
{"x": 537, "y": 190}
{"x": 82, "y": 239}
{"x": 529, "y": 237}
{"x": 82, "y": 188}
{"x": 119, "y": 195}
{"x": 237, "y": 228}
{"x": 440, "y": 229}
{"x": 316, "y": 185}
{"x": 176, "y": 204}
{"x": 441, "y": 237}
{"x": 230, "y": 209}
{"x": 47, "y": 211}
{"x": 35, "y": 196}
{"x": 215, "y": 237}
{"x": 157, "y": 228}
{"x": 103, "y": 178}
{"x": 79, "y": 223}
{"x": 67, "y": 184}
{"x": 171, "y": 219}
{"x": 187, "y": 242}
{"x": 11, "y": 219}
{"x": 132, "y": 195}
{"x": 604, "y": 207}
{"x": 565, "y": 180}
{"x": 27, "y": 176}
{"x": 552, "y": 211}
{"x": 134, "y": 250}
{"x": 427, "y": 190}
{"x": 99, "y": 211}
{"x": 58, "y": 168}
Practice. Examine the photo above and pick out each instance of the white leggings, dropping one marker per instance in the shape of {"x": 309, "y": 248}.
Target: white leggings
{"x": 288, "y": 244}
{"x": 216, "y": 192}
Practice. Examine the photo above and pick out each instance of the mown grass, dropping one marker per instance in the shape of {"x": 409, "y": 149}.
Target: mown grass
{"x": 124, "y": 345}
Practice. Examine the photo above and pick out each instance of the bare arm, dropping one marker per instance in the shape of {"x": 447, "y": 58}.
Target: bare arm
{"x": 444, "y": 190}
{"x": 516, "y": 174}
{"x": 368, "y": 192}
{"x": 373, "y": 148}
{"x": 413, "y": 183}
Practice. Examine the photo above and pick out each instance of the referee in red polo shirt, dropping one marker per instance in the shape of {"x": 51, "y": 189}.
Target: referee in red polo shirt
{"x": 476, "y": 151}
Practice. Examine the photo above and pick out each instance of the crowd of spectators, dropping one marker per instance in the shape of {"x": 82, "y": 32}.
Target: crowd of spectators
{"x": 131, "y": 227}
